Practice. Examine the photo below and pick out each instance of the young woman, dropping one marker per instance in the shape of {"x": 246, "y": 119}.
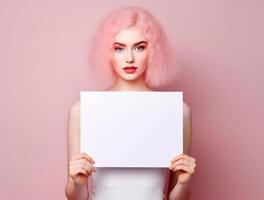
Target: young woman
{"x": 129, "y": 51}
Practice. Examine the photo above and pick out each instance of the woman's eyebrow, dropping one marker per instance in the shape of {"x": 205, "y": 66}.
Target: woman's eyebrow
{"x": 121, "y": 44}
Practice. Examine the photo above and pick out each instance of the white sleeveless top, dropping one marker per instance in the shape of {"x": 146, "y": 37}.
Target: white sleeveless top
{"x": 129, "y": 184}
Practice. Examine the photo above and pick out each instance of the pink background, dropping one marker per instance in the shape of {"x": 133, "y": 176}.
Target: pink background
{"x": 43, "y": 66}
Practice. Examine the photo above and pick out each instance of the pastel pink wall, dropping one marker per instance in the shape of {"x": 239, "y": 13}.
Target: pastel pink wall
{"x": 43, "y": 57}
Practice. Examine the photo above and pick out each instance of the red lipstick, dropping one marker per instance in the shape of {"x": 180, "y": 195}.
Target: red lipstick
{"x": 130, "y": 69}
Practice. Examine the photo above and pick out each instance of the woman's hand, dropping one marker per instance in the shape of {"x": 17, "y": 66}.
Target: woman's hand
{"x": 80, "y": 168}
{"x": 184, "y": 165}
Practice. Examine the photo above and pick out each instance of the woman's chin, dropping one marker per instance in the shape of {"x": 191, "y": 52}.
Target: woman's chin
{"x": 130, "y": 77}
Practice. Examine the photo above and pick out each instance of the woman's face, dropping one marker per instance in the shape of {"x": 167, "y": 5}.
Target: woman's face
{"x": 130, "y": 50}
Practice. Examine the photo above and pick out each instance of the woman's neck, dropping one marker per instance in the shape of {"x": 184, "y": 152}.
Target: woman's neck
{"x": 129, "y": 85}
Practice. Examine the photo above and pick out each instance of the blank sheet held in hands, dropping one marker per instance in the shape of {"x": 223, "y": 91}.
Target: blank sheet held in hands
{"x": 131, "y": 129}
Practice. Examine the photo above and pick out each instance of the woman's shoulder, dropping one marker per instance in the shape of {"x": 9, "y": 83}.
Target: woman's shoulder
{"x": 75, "y": 108}
{"x": 186, "y": 109}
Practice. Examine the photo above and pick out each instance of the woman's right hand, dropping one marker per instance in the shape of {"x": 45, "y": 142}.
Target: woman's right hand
{"x": 81, "y": 167}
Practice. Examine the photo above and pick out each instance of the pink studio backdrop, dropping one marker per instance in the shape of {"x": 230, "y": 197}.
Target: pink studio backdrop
{"x": 43, "y": 66}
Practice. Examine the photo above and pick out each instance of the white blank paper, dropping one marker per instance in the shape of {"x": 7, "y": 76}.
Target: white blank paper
{"x": 131, "y": 129}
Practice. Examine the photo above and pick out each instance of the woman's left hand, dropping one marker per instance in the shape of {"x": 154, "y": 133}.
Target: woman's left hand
{"x": 184, "y": 165}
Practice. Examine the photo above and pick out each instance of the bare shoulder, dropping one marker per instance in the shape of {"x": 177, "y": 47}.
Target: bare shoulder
{"x": 75, "y": 109}
{"x": 74, "y": 122}
{"x": 186, "y": 110}
{"x": 74, "y": 129}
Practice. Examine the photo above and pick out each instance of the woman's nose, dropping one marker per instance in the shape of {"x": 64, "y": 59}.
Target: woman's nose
{"x": 130, "y": 57}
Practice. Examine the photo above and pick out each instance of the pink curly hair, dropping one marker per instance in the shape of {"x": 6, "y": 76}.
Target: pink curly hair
{"x": 159, "y": 71}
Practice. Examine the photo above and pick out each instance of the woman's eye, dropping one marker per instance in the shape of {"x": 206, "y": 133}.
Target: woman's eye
{"x": 140, "y": 48}
{"x": 119, "y": 49}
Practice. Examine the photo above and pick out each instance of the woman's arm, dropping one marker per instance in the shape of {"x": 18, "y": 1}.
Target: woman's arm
{"x": 73, "y": 190}
{"x": 177, "y": 190}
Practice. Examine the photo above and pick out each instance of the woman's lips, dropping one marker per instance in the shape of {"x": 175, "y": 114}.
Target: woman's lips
{"x": 130, "y": 69}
